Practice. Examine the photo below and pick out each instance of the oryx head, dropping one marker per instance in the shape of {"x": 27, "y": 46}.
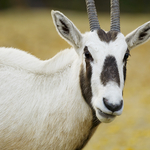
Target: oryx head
{"x": 103, "y": 57}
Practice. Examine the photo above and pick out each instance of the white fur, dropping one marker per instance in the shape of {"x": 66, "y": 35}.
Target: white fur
{"x": 41, "y": 105}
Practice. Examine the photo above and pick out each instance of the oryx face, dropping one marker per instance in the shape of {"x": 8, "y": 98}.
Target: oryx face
{"x": 103, "y": 64}
{"x": 104, "y": 69}
{"x": 103, "y": 73}
{"x": 103, "y": 58}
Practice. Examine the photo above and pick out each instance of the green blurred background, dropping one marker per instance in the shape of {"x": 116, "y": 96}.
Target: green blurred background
{"x": 28, "y": 25}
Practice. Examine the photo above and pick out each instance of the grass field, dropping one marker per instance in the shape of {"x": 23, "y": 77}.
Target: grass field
{"x": 33, "y": 31}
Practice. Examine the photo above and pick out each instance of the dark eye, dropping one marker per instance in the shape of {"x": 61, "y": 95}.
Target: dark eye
{"x": 87, "y": 54}
{"x": 126, "y": 56}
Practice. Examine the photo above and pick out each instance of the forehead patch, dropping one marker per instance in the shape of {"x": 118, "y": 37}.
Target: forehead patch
{"x": 110, "y": 71}
{"x": 107, "y": 37}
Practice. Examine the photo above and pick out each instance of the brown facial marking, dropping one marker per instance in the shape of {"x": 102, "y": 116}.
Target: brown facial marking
{"x": 85, "y": 84}
{"x": 125, "y": 63}
{"x": 107, "y": 37}
{"x": 110, "y": 71}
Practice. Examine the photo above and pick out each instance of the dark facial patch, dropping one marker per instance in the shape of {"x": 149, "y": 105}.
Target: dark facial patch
{"x": 85, "y": 78}
{"x": 125, "y": 63}
{"x": 107, "y": 37}
{"x": 110, "y": 71}
{"x": 124, "y": 71}
{"x": 85, "y": 84}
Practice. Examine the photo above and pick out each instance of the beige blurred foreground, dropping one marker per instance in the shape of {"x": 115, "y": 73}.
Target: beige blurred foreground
{"x": 34, "y": 32}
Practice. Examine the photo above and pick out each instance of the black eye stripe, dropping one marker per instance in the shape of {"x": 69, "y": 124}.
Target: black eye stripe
{"x": 125, "y": 59}
{"x": 86, "y": 90}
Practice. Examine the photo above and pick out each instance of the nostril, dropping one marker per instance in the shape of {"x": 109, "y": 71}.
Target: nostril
{"x": 112, "y": 107}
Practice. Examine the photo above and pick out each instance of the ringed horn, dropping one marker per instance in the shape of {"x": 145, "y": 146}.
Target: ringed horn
{"x": 115, "y": 16}
{"x": 93, "y": 19}
{"x": 92, "y": 15}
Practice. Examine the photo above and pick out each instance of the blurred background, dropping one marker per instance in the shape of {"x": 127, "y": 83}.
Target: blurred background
{"x": 27, "y": 25}
{"x": 134, "y": 6}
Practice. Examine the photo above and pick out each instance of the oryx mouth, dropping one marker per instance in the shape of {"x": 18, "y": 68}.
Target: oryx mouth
{"x": 105, "y": 115}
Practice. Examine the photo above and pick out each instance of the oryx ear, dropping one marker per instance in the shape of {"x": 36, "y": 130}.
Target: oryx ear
{"x": 138, "y": 36}
{"x": 67, "y": 29}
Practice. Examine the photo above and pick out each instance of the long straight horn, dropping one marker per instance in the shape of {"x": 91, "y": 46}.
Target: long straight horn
{"x": 92, "y": 15}
{"x": 115, "y": 16}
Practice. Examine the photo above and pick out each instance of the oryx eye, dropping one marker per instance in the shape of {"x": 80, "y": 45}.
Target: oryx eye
{"x": 87, "y": 54}
{"x": 126, "y": 56}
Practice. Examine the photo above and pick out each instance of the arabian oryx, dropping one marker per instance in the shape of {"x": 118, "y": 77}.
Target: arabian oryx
{"x": 58, "y": 103}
